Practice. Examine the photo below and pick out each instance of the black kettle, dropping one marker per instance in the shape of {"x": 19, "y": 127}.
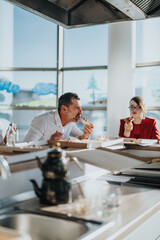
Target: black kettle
{"x": 55, "y": 185}
{"x": 53, "y": 191}
{"x": 55, "y": 165}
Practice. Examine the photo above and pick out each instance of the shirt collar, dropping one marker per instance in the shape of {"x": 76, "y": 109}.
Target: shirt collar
{"x": 58, "y": 119}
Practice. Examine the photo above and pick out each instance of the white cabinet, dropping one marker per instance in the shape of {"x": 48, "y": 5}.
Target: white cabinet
{"x": 149, "y": 230}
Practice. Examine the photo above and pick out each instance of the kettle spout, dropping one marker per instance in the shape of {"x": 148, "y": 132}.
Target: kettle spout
{"x": 36, "y": 188}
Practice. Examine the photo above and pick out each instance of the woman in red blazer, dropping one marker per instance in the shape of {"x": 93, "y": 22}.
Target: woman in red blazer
{"x": 138, "y": 126}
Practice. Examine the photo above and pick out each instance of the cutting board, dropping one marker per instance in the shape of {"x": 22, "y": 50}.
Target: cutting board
{"x": 86, "y": 143}
{"x": 64, "y": 143}
{"x": 7, "y": 149}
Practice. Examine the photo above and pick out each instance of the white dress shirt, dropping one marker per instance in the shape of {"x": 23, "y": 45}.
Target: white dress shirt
{"x": 44, "y": 125}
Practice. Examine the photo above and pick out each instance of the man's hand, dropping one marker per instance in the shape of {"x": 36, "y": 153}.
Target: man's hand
{"x": 88, "y": 129}
{"x": 56, "y": 136}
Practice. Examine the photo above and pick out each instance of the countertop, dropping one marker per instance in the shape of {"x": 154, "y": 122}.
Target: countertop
{"x": 138, "y": 204}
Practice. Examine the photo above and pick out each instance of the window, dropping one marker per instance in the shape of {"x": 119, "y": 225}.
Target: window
{"x": 85, "y": 56}
{"x": 30, "y": 88}
{"x": 147, "y": 40}
{"x": 147, "y": 85}
{"x": 147, "y": 73}
{"x": 28, "y": 61}
{"x": 90, "y": 85}
{"x": 35, "y": 40}
{"x": 98, "y": 118}
{"x": 86, "y": 46}
{"x": 29, "y": 73}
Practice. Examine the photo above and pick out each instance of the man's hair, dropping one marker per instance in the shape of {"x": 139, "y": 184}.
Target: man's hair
{"x": 66, "y": 99}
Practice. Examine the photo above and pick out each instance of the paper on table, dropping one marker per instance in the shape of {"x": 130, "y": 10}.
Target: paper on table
{"x": 105, "y": 159}
{"x": 112, "y": 142}
{"x": 114, "y": 178}
{"x": 116, "y": 147}
{"x": 147, "y": 142}
{"x": 140, "y": 141}
{"x": 107, "y": 143}
{"x": 35, "y": 143}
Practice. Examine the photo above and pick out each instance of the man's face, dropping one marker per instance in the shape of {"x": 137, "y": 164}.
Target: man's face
{"x": 74, "y": 110}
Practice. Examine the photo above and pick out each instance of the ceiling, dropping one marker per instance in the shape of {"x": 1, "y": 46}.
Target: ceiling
{"x": 79, "y": 13}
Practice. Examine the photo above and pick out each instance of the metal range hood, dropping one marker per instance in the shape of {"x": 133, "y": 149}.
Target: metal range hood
{"x": 79, "y": 13}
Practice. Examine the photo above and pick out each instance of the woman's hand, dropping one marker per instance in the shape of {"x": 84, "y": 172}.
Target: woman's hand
{"x": 128, "y": 126}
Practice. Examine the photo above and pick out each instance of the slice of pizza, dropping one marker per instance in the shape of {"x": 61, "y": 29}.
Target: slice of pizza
{"x": 85, "y": 120}
{"x": 128, "y": 120}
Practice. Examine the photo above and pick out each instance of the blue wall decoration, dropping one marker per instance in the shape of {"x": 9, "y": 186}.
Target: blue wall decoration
{"x": 9, "y": 86}
{"x": 45, "y": 88}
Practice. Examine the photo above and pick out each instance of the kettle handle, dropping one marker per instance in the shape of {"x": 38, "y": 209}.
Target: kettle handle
{"x": 79, "y": 187}
{"x": 77, "y": 162}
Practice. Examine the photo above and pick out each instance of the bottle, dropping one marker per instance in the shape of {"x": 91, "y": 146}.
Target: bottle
{"x": 11, "y": 135}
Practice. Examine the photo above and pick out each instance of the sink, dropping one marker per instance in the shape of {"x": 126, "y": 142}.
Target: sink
{"x": 22, "y": 213}
{"x": 40, "y": 227}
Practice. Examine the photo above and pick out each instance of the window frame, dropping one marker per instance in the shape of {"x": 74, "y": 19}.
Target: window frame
{"x": 59, "y": 75}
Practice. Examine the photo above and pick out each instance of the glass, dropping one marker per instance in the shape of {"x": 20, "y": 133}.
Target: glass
{"x": 86, "y": 46}
{"x": 6, "y": 34}
{"x": 34, "y": 40}
{"x": 42, "y": 96}
{"x": 31, "y": 88}
{"x": 146, "y": 81}
{"x": 91, "y": 86}
{"x": 102, "y": 201}
{"x": 99, "y": 120}
{"x": 147, "y": 32}
{"x": 134, "y": 108}
{"x": 22, "y": 118}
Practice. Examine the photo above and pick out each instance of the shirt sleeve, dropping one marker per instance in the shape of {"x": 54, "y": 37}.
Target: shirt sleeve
{"x": 36, "y": 131}
{"x": 155, "y": 133}
{"x": 121, "y": 128}
{"x": 75, "y": 131}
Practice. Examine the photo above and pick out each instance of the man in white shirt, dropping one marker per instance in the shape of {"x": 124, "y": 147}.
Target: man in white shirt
{"x": 59, "y": 124}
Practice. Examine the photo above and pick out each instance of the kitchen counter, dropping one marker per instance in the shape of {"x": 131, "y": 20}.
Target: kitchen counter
{"x": 136, "y": 217}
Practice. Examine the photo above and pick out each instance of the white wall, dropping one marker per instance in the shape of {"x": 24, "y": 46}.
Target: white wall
{"x": 121, "y": 64}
